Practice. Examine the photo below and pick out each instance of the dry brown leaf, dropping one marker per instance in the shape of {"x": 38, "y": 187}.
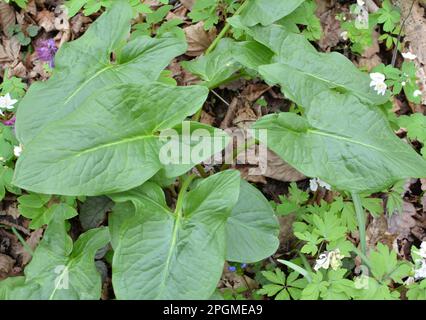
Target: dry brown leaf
{"x": 188, "y": 3}
{"x": 377, "y": 231}
{"x": 46, "y": 20}
{"x": 370, "y": 63}
{"x": 9, "y": 50}
{"x": 18, "y": 69}
{"x": 79, "y": 23}
{"x": 7, "y": 16}
{"x": 331, "y": 30}
{"x": 254, "y": 91}
{"x": 31, "y": 7}
{"x": 198, "y": 39}
{"x": 280, "y": 170}
{"x": 286, "y": 235}
{"x": 207, "y": 118}
{"x": 32, "y": 242}
{"x": 401, "y": 224}
{"x": 6, "y": 265}
{"x": 12, "y": 210}
{"x": 415, "y": 30}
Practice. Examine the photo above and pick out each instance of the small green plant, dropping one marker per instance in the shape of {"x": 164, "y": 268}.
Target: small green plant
{"x": 207, "y": 11}
{"x": 283, "y": 287}
{"x": 42, "y": 208}
{"x": 389, "y": 16}
{"x": 23, "y": 35}
{"x": 92, "y": 6}
{"x": 416, "y": 128}
{"x": 404, "y": 79}
{"x": 20, "y": 3}
{"x": 12, "y": 85}
{"x": 154, "y": 24}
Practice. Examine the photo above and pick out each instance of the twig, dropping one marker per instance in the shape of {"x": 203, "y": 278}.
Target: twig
{"x": 232, "y": 107}
{"x": 14, "y": 225}
{"x": 395, "y": 50}
{"x": 220, "y": 98}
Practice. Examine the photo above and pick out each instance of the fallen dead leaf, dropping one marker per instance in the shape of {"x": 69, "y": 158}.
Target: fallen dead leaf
{"x": 206, "y": 118}
{"x": 32, "y": 241}
{"x": 188, "y": 3}
{"x": 9, "y": 50}
{"x": 46, "y": 20}
{"x": 377, "y": 231}
{"x": 79, "y": 24}
{"x": 254, "y": 91}
{"x": 198, "y": 39}
{"x": 369, "y": 63}
{"x": 401, "y": 224}
{"x": 7, "y": 16}
{"x": 331, "y": 29}
{"x": 415, "y": 30}
{"x": 6, "y": 265}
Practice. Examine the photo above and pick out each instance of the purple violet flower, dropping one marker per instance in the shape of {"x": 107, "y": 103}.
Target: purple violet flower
{"x": 232, "y": 268}
{"x": 243, "y": 265}
{"x": 46, "y": 50}
{"x": 10, "y": 122}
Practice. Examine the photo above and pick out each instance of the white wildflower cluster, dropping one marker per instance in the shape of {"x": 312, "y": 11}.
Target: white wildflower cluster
{"x": 329, "y": 259}
{"x": 378, "y": 82}
{"x": 417, "y": 93}
{"x": 420, "y": 262}
{"x": 17, "y": 150}
{"x": 314, "y": 183}
{"x": 361, "y": 15}
{"x": 6, "y": 103}
{"x": 408, "y": 55}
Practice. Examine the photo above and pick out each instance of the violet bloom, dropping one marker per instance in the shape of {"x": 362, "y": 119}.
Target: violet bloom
{"x": 46, "y": 50}
{"x": 10, "y": 122}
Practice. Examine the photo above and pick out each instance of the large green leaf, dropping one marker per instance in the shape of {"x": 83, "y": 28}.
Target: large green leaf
{"x": 59, "y": 270}
{"x": 165, "y": 255}
{"x": 252, "y": 229}
{"x": 128, "y": 202}
{"x": 302, "y": 72}
{"x": 216, "y": 67}
{"x": 252, "y": 54}
{"x": 267, "y": 12}
{"x": 85, "y": 65}
{"x": 344, "y": 142}
{"x": 113, "y": 143}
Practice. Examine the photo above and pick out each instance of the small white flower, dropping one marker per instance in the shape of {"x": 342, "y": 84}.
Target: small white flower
{"x": 420, "y": 273}
{"x": 403, "y": 83}
{"x": 6, "y": 102}
{"x": 17, "y": 150}
{"x": 323, "y": 261}
{"x": 331, "y": 259}
{"x": 360, "y": 2}
{"x": 410, "y": 280}
{"x": 378, "y": 82}
{"x": 417, "y": 93}
{"x": 422, "y": 251}
{"x": 409, "y": 55}
{"x": 344, "y": 35}
{"x": 314, "y": 183}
